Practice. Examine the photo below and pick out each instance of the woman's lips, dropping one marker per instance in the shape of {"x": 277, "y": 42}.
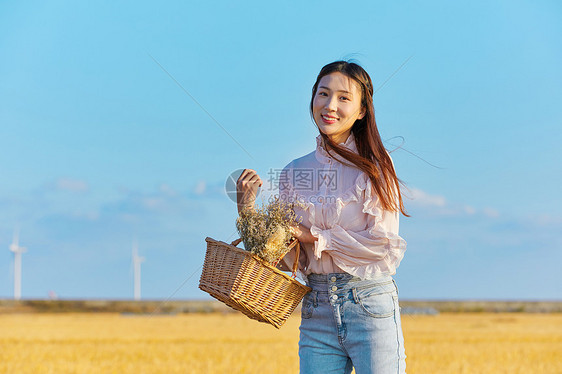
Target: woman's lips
{"x": 328, "y": 119}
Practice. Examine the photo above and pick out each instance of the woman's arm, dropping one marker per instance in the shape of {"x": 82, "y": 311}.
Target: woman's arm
{"x": 298, "y": 231}
{"x": 303, "y": 234}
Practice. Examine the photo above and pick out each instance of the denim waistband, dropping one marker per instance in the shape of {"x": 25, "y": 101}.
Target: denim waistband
{"x": 344, "y": 281}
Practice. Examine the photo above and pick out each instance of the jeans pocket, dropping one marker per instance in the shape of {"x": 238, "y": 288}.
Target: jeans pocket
{"x": 377, "y": 305}
{"x": 307, "y": 306}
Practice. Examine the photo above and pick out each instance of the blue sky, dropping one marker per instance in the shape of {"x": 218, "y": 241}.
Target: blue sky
{"x": 100, "y": 145}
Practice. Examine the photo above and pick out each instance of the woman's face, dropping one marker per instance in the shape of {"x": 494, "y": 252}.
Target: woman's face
{"x": 337, "y": 105}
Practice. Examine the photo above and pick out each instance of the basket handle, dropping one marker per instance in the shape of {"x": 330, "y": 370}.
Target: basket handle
{"x": 294, "y": 242}
{"x": 236, "y": 242}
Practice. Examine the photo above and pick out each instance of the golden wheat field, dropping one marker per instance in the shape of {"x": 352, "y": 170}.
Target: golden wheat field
{"x": 231, "y": 343}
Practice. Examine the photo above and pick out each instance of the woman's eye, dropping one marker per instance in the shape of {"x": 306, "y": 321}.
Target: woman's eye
{"x": 322, "y": 94}
{"x": 344, "y": 98}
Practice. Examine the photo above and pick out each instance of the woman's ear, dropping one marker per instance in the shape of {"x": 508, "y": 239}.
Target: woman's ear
{"x": 362, "y": 113}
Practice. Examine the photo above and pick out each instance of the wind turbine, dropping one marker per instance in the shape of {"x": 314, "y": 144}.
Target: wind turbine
{"x": 17, "y": 250}
{"x": 137, "y": 270}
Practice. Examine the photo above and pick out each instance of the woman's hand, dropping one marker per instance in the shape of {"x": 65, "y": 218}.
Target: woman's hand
{"x": 303, "y": 234}
{"x": 283, "y": 266}
{"x": 247, "y": 189}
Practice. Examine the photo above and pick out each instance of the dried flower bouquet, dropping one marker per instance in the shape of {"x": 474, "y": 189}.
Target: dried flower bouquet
{"x": 266, "y": 230}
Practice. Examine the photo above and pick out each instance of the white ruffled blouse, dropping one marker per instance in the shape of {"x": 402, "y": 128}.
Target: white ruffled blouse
{"x": 340, "y": 207}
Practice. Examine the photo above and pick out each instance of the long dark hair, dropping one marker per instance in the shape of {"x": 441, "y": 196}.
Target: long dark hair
{"x": 373, "y": 159}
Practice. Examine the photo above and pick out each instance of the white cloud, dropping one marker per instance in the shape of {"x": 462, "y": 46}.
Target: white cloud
{"x": 204, "y": 189}
{"x": 438, "y": 205}
{"x": 420, "y": 197}
{"x": 153, "y": 203}
{"x": 200, "y": 188}
{"x": 469, "y": 209}
{"x": 167, "y": 190}
{"x": 490, "y": 212}
{"x": 88, "y": 216}
{"x": 72, "y": 185}
{"x": 547, "y": 220}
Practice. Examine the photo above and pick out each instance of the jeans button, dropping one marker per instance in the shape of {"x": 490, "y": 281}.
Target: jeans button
{"x": 334, "y": 288}
{"x": 334, "y": 297}
{"x": 333, "y": 279}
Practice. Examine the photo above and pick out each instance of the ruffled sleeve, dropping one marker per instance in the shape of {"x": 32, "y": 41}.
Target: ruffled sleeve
{"x": 369, "y": 253}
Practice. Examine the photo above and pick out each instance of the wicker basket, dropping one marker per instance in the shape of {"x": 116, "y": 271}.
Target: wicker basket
{"x": 248, "y": 284}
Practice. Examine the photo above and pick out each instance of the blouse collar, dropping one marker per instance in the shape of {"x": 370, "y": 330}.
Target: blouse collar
{"x": 322, "y": 155}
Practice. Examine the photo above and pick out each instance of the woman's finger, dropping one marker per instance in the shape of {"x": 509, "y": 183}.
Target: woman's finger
{"x": 247, "y": 172}
{"x": 249, "y": 177}
{"x": 255, "y": 179}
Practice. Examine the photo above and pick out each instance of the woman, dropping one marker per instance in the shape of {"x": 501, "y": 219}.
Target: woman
{"x": 350, "y": 203}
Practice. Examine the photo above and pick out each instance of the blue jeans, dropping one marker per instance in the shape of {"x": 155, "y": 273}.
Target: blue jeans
{"x": 351, "y": 323}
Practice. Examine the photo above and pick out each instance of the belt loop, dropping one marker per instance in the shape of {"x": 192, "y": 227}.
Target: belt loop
{"x": 395, "y": 286}
{"x": 315, "y": 299}
{"x": 355, "y": 297}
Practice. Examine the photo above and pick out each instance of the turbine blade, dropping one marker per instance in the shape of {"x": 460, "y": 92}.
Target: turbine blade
{"x": 135, "y": 248}
{"x": 16, "y": 237}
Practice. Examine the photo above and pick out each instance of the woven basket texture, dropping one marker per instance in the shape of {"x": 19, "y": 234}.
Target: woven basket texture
{"x": 248, "y": 284}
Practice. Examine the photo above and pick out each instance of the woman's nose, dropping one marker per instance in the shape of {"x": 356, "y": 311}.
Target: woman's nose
{"x": 331, "y": 104}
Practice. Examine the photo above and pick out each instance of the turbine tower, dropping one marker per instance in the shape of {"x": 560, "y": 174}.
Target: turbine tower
{"x": 137, "y": 270}
{"x": 17, "y": 250}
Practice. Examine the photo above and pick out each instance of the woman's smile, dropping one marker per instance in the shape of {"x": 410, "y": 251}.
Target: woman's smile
{"x": 329, "y": 119}
{"x": 337, "y": 105}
